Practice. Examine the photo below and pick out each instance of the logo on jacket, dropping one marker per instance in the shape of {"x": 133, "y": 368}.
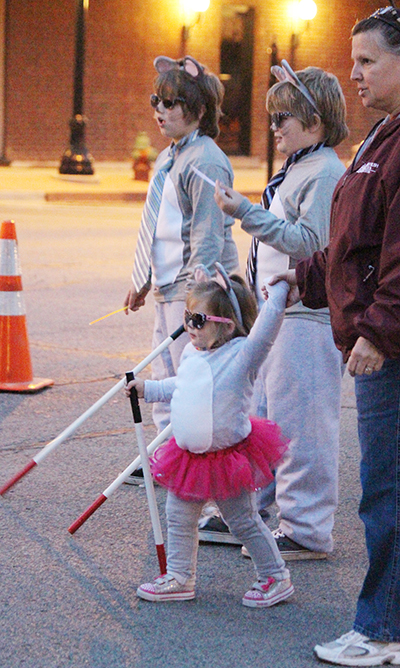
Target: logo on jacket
{"x": 369, "y": 168}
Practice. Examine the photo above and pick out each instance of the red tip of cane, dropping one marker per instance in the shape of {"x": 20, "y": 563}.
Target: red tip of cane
{"x": 78, "y": 523}
{"x": 162, "y": 559}
{"x": 17, "y": 477}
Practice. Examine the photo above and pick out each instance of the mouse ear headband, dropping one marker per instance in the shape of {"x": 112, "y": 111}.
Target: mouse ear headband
{"x": 188, "y": 64}
{"x": 223, "y": 279}
{"x": 202, "y": 275}
{"x": 285, "y": 73}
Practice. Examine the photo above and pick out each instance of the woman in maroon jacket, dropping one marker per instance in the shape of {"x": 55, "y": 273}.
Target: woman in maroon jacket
{"x": 358, "y": 276}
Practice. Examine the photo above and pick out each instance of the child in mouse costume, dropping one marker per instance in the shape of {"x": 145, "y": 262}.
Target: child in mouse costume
{"x": 217, "y": 451}
{"x": 188, "y": 228}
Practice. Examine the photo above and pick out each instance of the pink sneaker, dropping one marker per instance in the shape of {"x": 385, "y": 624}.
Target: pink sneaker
{"x": 165, "y": 588}
{"x": 265, "y": 594}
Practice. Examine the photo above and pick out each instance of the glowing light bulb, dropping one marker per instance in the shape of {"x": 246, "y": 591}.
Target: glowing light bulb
{"x": 196, "y": 5}
{"x": 307, "y": 9}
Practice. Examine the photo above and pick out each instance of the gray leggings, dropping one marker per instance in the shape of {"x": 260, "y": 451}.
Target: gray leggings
{"x": 241, "y": 515}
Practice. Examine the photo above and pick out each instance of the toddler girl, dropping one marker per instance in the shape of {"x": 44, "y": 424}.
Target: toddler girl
{"x": 217, "y": 451}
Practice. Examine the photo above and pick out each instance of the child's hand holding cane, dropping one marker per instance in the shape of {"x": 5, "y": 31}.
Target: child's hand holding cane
{"x": 136, "y": 383}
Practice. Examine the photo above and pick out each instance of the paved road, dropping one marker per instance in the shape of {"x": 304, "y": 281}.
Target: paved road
{"x": 70, "y": 601}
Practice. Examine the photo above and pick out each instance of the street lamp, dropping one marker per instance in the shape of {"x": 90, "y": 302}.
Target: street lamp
{"x": 4, "y": 162}
{"x": 191, "y": 7}
{"x": 305, "y": 11}
{"x": 273, "y": 53}
{"x": 77, "y": 159}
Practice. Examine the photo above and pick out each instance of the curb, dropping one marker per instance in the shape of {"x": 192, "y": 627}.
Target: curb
{"x": 115, "y": 198}
{"x": 90, "y": 198}
{"x": 21, "y": 195}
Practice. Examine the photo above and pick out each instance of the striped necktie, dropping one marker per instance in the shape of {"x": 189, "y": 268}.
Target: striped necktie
{"x": 266, "y": 199}
{"x": 141, "y": 273}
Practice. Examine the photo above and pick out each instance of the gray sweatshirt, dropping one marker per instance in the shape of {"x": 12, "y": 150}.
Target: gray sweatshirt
{"x": 305, "y": 194}
{"x": 210, "y": 395}
{"x": 191, "y": 228}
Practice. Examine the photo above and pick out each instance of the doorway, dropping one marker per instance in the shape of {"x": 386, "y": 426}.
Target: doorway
{"x": 236, "y": 65}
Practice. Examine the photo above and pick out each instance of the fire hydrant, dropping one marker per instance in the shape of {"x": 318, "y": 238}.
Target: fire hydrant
{"x": 143, "y": 155}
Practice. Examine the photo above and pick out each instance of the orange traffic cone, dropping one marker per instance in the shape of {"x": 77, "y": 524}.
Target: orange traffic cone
{"x": 15, "y": 359}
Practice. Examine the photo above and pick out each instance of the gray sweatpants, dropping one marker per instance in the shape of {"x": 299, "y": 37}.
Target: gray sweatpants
{"x": 241, "y": 516}
{"x": 298, "y": 387}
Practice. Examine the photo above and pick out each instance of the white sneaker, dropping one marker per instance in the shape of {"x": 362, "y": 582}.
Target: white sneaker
{"x": 355, "y": 649}
{"x": 265, "y": 594}
{"x": 165, "y": 588}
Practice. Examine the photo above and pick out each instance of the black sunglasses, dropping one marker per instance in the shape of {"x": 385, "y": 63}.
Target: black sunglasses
{"x": 200, "y": 319}
{"x": 278, "y": 118}
{"x": 168, "y": 104}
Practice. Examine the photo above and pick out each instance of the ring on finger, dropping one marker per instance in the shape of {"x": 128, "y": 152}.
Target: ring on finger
{"x": 368, "y": 370}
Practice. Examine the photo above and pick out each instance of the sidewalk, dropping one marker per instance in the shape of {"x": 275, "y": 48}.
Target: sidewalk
{"x": 112, "y": 182}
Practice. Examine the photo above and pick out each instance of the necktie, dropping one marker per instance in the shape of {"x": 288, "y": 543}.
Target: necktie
{"x": 266, "y": 199}
{"x": 141, "y": 273}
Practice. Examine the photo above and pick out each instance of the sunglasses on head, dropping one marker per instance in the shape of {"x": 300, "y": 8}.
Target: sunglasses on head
{"x": 389, "y": 15}
{"x": 168, "y": 104}
{"x": 199, "y": 319}
{"x": 278, "y": 118}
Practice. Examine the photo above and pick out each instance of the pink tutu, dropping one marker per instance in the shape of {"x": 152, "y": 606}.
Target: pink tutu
{"x": 225, "y": 473}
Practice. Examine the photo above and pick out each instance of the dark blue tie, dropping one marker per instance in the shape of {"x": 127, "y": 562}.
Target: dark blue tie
{"x": 266, "y": 199}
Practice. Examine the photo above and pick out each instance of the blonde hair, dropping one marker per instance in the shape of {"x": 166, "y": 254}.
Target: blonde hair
{"x": 325, "y": 89}
{"x": 219, "y": 304}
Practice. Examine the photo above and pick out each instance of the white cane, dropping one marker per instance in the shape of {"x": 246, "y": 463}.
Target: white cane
{"x": 166, "y": 433}
{"x": 148, "y": 479}
{"x": 93, "y": 409}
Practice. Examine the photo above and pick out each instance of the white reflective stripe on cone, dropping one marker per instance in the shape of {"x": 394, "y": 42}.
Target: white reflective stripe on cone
{"x": 12, "y": 303}
{"x": 9, "y": 258}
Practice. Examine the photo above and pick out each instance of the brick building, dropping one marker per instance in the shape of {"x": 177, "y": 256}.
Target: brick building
{"x": 122, "y": 39}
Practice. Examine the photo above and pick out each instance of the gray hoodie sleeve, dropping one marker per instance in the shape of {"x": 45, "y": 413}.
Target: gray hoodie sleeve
{"x": 302, "y": 237}
{"x": 159, "y": 390}
{"x": 208, "y": 223}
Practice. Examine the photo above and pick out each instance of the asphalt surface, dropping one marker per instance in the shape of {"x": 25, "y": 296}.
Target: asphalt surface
{"x": 69, "y": 601}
